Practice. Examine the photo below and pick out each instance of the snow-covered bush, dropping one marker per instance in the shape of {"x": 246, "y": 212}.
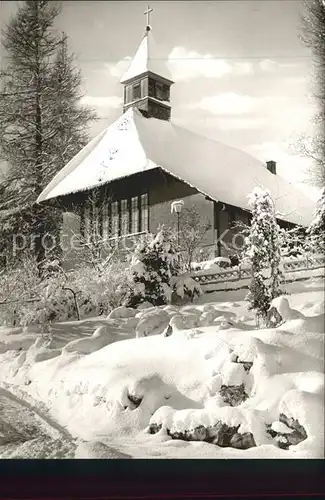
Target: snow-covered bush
{"x": 17, "y": 284}
{"x": 60, "y": 294}
{"x": 263, "y": 249}
{"x": 154, "y": 263}
{"x": 102, "y": 289}
{"x": 316, "y": 230}
{"x": 184, "y": 285}
{"x": 293, "y": 242}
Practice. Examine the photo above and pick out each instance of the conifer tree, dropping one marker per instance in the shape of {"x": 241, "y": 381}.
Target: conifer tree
{"x": 69, "y": 119}
{"x": 263, "y": 249}
{"x": 154, "y": 263}
{"x": 42, "y": 124}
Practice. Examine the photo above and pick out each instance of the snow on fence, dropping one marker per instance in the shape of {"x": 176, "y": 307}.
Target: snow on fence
{"x": 294, "y": 269}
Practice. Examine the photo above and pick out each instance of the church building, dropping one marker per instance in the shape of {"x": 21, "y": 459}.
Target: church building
{"x": 142, "y": 163}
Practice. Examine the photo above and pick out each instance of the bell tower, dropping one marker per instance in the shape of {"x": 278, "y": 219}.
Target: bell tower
{"x": 147, "y": 81}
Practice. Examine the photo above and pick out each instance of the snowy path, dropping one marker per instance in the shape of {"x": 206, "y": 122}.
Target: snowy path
{"x": 26, "y": 433}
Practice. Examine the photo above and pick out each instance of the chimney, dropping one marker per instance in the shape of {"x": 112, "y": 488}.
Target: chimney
{"x": 271, "y": 166}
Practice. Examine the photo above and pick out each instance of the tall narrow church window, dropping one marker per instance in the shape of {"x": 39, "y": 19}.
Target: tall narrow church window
{"x": 105, "y": 221}
{"x": 134, "y": 215}
{"x": 128, "y": 93}
{"x": 136, "y": 91}
{"x": 87, "y": 224}
{"x": 124, "y": 217}
{"x": 115, "y": 218}
{"x": 95, "y": 218}
{"x": 144, "y": 212}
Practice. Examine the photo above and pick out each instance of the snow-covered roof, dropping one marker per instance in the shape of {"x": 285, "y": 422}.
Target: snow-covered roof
{"x": 147, "y": 59}
{"x": 134, "y": 144}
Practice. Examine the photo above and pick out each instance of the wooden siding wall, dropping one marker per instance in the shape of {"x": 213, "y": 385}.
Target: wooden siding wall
{"x": 167, "y": 189}
{"x": 162, "y": 190}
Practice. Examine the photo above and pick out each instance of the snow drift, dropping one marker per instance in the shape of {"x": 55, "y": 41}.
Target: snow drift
{"x": 216, "y": 387}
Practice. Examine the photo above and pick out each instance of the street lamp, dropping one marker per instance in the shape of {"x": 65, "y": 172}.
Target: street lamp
{"x": 176, "y": 207}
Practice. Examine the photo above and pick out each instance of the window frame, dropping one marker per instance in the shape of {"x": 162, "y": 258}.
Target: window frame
{"x": 136, "y": 87}
{"x": 134, "y": 210}
{"x": 128, "y": 93}
{"x": 124, "y": 216}
{"x": 118, "y": 218}
{"x": 115, "y": 219}
{"x": 146, "y": 211}
{"x": 105, "y": 220}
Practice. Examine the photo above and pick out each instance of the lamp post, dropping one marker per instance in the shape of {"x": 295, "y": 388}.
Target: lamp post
{"x": 176, "y": 207}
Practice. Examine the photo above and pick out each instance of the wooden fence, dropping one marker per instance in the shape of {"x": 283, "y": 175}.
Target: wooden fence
{"x": 239, "y": 277}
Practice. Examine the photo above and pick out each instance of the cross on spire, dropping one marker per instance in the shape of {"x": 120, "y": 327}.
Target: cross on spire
{"x": 147, "y": 13}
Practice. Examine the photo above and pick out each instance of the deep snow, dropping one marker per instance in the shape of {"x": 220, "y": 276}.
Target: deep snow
{"x": 106, "y": 380}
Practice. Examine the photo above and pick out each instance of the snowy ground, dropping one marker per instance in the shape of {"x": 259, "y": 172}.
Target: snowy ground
{"x": 104, "y": 383}
{"x": 26, "y": 432}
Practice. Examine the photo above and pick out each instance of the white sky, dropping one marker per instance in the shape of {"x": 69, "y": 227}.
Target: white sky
{"x": 241, "y": 74}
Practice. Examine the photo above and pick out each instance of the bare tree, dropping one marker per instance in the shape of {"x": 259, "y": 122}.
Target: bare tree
{"x": 194, "y": 228}
{"x": 313, "y": 36}
{"x": 96, "y": 244}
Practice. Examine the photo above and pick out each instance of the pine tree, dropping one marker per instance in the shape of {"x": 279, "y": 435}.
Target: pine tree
{"x": 154, "y": 264}
{"x": 264, "y": 252}
{"x": 316, "y": 230}
{"x": 41, "y": 122}
{"x": 69, "y": 119}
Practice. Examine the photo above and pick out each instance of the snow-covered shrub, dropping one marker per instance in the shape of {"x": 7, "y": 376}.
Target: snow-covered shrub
{"x": 316, "y": 230}
{"x": 293, "y": 242}
{"x": 154, "y": 263}
{"x": 58, "y": 297}
{"x": 53, "y": 304}
{"x": 264, "y": 252}
{"x": 185, "y": 286}
{"x": 37, "y": 299}
{"x": 102, "y": 289}
{"x": 59, "y": 294}
{"x": 17, "y": 284}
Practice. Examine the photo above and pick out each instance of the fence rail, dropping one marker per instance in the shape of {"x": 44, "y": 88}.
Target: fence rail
{"x": 289, "y": 267}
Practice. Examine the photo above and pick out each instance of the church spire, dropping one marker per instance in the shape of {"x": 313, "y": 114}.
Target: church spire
{"x": 147, "y": 81}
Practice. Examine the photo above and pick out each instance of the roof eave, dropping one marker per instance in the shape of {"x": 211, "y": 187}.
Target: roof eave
{"x": 211, "y": 196}
{"x": 148, "y": 73}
